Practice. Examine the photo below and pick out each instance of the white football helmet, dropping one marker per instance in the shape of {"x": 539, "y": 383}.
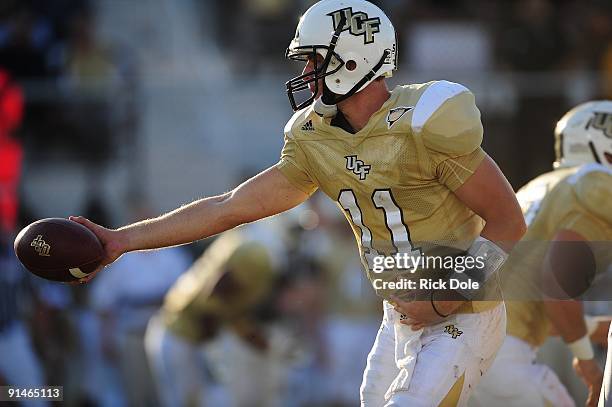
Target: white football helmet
{"x": 584, "y": 135}
{"x": 357, "y": 42}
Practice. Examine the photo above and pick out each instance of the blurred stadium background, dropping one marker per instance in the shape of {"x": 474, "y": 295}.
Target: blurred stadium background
{"x": 120, "y": 110}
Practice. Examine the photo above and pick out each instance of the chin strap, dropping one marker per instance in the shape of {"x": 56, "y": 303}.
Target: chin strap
{"x": 326, "y": 105}
{"x": 325, "y": 110}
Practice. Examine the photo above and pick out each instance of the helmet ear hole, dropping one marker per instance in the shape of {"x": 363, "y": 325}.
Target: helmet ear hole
{"x": 351, "y": 65}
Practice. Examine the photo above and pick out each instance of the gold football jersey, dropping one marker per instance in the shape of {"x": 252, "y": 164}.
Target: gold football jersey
{"x": 577, "y": 199}
{"x": 394, "y": 179}
{"x": 193, "y": 296}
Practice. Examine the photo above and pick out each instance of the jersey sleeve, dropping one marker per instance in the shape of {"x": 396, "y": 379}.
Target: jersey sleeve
{"x": 585, "y": 224}
{"x": 293, "y": 165}
{"x": 449, "y": 123}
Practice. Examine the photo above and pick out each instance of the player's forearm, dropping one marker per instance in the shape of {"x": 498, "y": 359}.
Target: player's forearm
{"x": 568, "y": 319}
{"x": 266, "y": 194}
{"x": 195, "y": 221}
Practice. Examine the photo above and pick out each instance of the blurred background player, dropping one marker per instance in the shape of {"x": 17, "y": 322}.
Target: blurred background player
{"x": 244, "y": 326}
{"x": 221, "y": 292}
{"x": 573, "y": 203}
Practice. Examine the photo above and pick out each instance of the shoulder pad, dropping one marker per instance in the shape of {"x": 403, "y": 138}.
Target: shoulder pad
{"x": 432, "y": 99}
{"x": 447, "y": 119}
{"x": 593, "y": 187}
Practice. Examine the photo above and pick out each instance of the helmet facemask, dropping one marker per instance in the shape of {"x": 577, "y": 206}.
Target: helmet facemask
{"x": 303, "y": 53}
{"x": 300, "y": 83}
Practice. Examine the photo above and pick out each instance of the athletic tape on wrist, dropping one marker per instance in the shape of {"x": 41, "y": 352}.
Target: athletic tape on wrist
{"x": 591, "y": 324}
{"x": 493, "y": 257}
{"x": 582, "y": 348}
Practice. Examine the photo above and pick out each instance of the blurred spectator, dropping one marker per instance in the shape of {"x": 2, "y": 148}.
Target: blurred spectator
{"x": 125, "y": 296}
{"x": 91, "y": 74}
{"x": 302, "y": 305}
{"x": 24, "y": 42}
{"x": 88, "y": 62}
{"x": 260, "y": 29}
{"x": 11, "y": 112}
{"x": 532, "y": 38}
{"x": 54, "y": 333}
{"x": 19, "y": 364}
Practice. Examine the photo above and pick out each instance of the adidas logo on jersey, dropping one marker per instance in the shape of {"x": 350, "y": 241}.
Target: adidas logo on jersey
{"x": 308, "y": 126}
{"x": 357, "y": 166}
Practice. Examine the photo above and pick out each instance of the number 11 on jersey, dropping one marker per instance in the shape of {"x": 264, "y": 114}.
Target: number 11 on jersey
{"x": 382, "y": 199}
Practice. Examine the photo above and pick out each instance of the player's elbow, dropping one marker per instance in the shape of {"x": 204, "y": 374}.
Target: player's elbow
{"x": 234, "y": 211}
{"x": 517, "y": 226}
{"x": 228, "y": 215}
{"x": 509, "y": 221}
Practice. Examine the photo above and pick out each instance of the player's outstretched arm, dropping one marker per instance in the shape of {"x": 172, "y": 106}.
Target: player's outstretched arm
{"x": 266, "y": 194}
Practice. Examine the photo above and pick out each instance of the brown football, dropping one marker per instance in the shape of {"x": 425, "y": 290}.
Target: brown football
{"x": 58, "y": 249}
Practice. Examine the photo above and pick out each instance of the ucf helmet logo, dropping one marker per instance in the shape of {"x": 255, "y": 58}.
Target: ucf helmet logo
{"x": 603, "y": 122}
{"x": 357, "y": 23}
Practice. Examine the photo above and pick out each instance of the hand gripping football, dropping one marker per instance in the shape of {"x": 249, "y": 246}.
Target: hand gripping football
{"x": 58, "y": 249}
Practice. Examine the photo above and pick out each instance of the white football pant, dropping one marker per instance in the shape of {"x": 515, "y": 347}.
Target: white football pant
{"x": 437, "y": 366}
{"x": 516, "y": 380}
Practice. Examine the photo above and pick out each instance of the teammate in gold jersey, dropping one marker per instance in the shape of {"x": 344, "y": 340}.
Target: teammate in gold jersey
{"x": 407, "y": 170}
{"x": 573, "y": 204}
{"x": 232, "y": 277}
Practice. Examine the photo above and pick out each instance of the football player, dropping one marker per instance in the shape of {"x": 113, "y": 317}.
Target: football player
{"x": 230, "y": 279}
{"x": 572, "y": 203}
{"x": 406, "y": 168}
